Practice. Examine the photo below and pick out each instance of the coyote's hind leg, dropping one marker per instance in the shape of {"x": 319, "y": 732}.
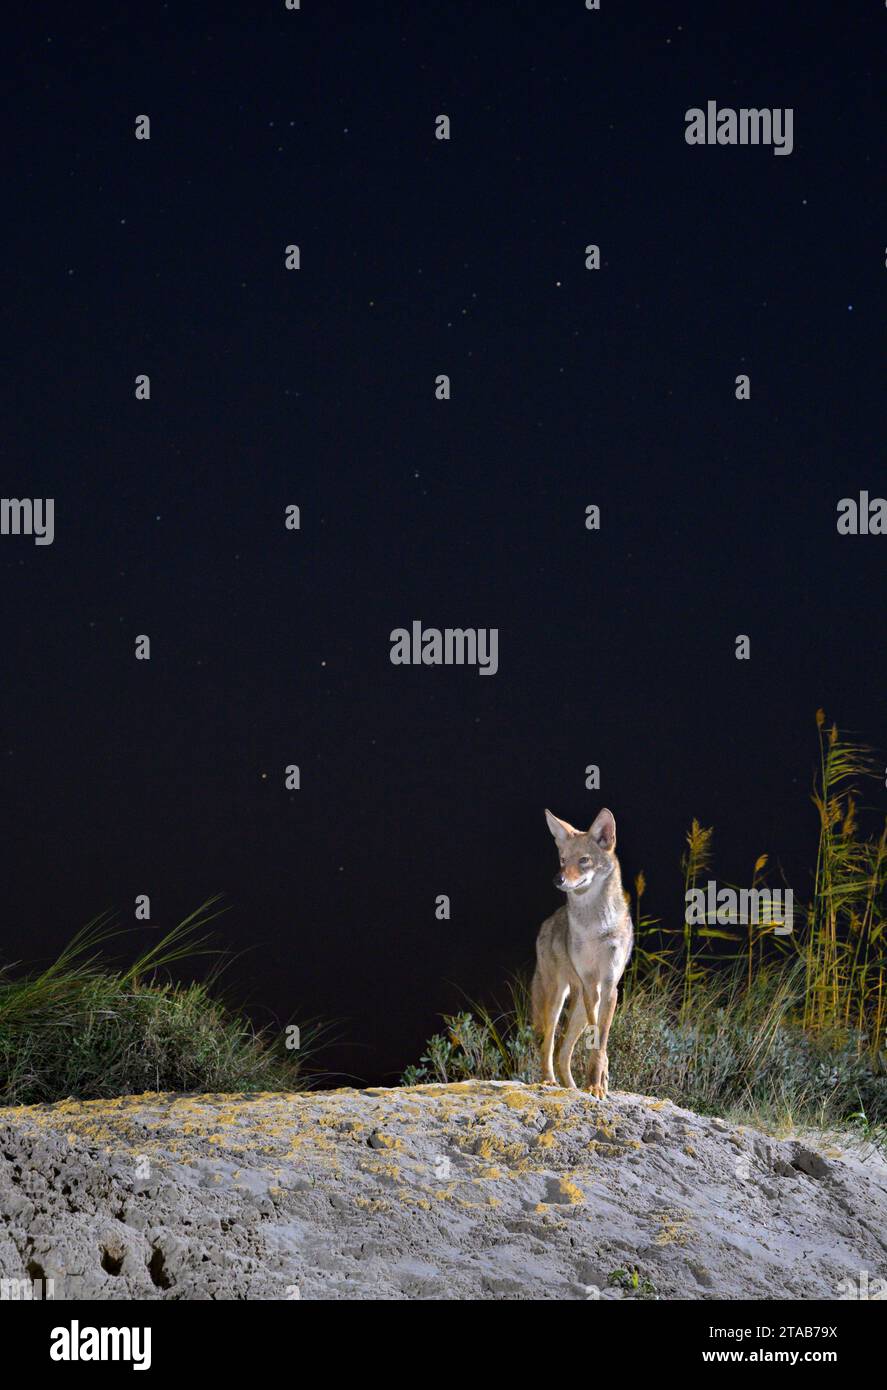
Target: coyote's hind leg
{"x": 547, "y": 1004}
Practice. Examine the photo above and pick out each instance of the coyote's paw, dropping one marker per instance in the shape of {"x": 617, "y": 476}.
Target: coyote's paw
{"x": 598, "y": 1078}
{"x": 548, "y": 1081}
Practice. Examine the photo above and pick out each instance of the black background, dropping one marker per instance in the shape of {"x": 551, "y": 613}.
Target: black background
{"x": 419, "y": 257}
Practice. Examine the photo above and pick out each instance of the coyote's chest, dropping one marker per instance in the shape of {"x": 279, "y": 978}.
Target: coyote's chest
{"x": 598, "y": 936}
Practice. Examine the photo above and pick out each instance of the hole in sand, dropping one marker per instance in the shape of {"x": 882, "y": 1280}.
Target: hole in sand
{"x": 157, "y": 1271}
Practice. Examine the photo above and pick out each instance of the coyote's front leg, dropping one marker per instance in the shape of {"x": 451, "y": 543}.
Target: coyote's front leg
{"x": 599, "y": 1066}
{"x": 591, "y": 994}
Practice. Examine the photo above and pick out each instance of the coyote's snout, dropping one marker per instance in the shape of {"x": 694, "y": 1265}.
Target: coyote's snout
{"x": 582, "y": 950}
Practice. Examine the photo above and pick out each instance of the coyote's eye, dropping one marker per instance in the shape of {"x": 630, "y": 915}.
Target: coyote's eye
{"x": 585, "y": 861}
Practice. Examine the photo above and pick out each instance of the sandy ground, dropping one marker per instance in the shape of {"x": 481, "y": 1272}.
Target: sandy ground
{"x": 475, "y": 1190}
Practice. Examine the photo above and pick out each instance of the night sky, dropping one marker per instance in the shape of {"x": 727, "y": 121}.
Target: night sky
{"x": 570, "y": 387}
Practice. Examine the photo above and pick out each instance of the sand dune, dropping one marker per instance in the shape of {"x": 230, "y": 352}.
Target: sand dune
{"x": 476, "y": 1190}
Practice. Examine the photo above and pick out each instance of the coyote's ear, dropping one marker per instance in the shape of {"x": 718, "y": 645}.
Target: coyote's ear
{"x": 560, "y": 829}
{"x": 603, "y": 829}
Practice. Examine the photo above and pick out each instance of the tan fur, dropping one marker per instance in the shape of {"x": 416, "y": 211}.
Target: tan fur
{"x": 582, "y": 950}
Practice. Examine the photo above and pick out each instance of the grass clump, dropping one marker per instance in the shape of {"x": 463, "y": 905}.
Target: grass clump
{"x": 741, "y": 1055}
{"x": 80, "y": 1028}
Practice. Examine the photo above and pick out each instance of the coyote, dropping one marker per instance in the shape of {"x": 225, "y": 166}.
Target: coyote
{"x": 582, "y": 950}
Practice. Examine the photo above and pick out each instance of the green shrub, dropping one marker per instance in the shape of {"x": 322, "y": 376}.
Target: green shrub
{"x": 81, "y": 1029}
{"x": 740, "y": 1056}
